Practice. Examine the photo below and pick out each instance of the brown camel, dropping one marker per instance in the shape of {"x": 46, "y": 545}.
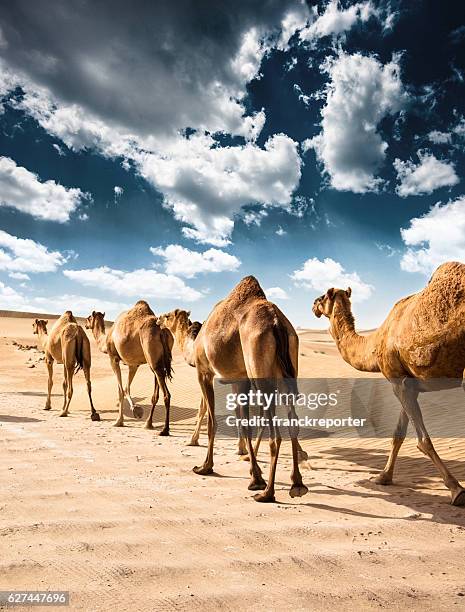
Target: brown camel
{"x": 248, "y": 339}
{"x": 419, "y": 347}
{"x": 135, "y": 338}
{"x": 67, "y": 344}
{"x": 185, "y": 332}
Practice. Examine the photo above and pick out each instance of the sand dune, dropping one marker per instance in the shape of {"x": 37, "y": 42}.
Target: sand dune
{"x": 117, "y": 517}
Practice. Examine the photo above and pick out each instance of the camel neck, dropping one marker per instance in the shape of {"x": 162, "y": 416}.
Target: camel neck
{"x": 43, "y": 337}
{"x": 359, "y": 351}
{"x": 100, "y": 335}
{"x": 183, "y": 340}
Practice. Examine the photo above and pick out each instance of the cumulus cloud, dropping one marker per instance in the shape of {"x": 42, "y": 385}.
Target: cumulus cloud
{"x": 426, "y": 176}
{"x": 360, "y": 93}
{"x": 81, "y": 306}
{"x": 434, "y": 238}
{"x": 276, "y": 293}
{"x": 321, "y": 275}
{"x": 19, "y": 276}
{"x": 438, "y": 137}
{"x": 137, "y": 283}
{"x": 23, "y": 190}
{"x": 206, "y": 185}
{"x": 25, "y": 255}
{"x": 204, "y": 58}
{"x": 335, "y": 20}
{"x": 185, "y": 262}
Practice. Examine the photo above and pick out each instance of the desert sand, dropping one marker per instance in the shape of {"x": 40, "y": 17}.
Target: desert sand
{"x": 117, "y": 517}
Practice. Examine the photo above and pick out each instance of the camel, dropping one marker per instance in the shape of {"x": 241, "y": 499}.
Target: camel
{"x": 248, "y": 339}
{"x": 135, "y": 338}
{"x": 67, "y": 344}
{"x": 420, "y": 347}
{"x": 185, "y": 332}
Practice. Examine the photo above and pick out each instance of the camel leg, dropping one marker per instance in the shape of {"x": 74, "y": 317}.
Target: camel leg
{"x": 398, "y": 437}
{"x": 275, "y": 443}
{"x": 200, "y": 416}
{"x": 94, "y": 415}
{"x": 156, "y": 393}
{"x": 117, "y": 370}
{"x": 298, "y": 488}
{"x": 257, "y": 482}
{"x": 137, "y": 411}
{"x": 206, "y": 384}
{"x": 65, "y": 387}
{"x": 69, "y": 391}
{"x": 48, "y": 403}
{"x": 408, "y": 394}
{"x": 161, "y": 378}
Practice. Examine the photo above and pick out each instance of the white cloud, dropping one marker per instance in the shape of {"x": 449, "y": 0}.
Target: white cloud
{"x": 321, "y": 275}
{"x": 429, "y": 174}
{"x": 361, "y": 92}
{"x": 434, "y": 238}
{"x": 22, "y": 190}
{"x": 438, "y": 137}
{"x": 19, "y": 276}
{"x": 280, "y": 231}
{"x": 185, "y": 262}
{"x": 206, "y": 186}
{"x": 112, "y": 107}
{"x": 276, "y": 293}
{"x": 81, "y": 306}
{"x": 25, "y": 255}
{"x": 336, "y": 20}
{"x": 138, "y": 283}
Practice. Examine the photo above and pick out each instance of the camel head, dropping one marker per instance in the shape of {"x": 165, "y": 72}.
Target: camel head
{"x": 324, "y": 304}
{"x": 39, "y": 325}
{"x": 93, "y": 318}
{"x": 172, "y": 319}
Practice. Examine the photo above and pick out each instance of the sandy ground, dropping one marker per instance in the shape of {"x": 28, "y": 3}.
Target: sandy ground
{"x": 117, "y": 517}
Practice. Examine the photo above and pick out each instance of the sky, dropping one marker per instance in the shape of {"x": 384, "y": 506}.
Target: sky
{"x": 164, "y": 150}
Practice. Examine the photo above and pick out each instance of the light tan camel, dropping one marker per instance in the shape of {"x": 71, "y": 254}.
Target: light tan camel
{"x": 419, "y": 347}
{"x": 135, "y": 338}
{"x": 185, "y": 332}
{"x": 69, "y": 345}
{"x": 249, "y": 340}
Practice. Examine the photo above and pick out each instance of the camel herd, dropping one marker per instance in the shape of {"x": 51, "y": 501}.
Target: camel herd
{"x": 247, "y": 339}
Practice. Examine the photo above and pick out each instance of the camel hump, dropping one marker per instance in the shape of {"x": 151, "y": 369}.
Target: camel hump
{"x": 142, "y": 308}
{"x": 67, "y": 317}
{"x": 248, "y": 288}
{"x": 449, "y": 269}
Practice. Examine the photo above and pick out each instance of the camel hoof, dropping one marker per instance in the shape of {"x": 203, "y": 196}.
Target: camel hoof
{"x": 118, "y": 424}
{"x": 264, "y": 498}
{"x": 245, "y": 457}
{"x": 47, "y": 408}
{"x": 383, "y": 479}
{"x": 302, "y": 456}
{"x": 148, "y": 426}
{"x": 241, "y": 451}
{"x": 95, "y": 416}
{"x": 257, "y": 485}
{"x": 193, "y": 443}
{"x": 298, "y": 490}
{"x": 201, "y": 470}
{"x": 458, "y": 499}
{"x": 164, "y": 432}
{"x": 64, "y": 414}
{"x": 137, "y": 412}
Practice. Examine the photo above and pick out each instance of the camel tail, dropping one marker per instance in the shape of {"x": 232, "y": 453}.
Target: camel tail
{"x": 79, "y": 353}
{"x": 282, "y": 350}
{"x": 167, "y": 357}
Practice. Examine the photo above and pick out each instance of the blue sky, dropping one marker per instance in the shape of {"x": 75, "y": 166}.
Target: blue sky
{"x": 165, "y": 151}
